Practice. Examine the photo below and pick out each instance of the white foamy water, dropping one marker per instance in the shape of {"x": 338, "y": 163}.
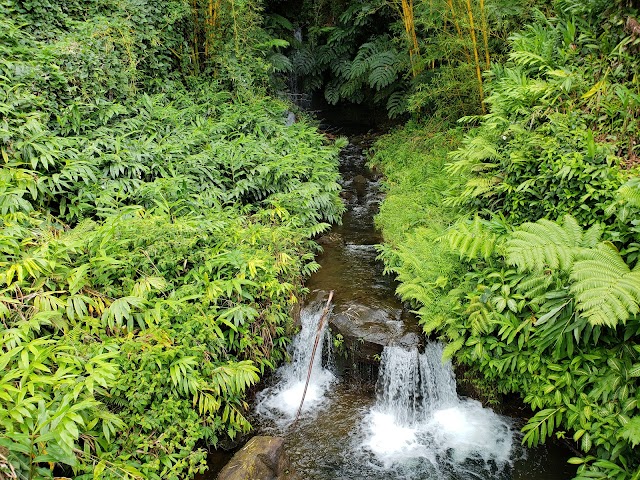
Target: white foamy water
{"x": 280, "y": 402}
{"x": 419, "y": 417}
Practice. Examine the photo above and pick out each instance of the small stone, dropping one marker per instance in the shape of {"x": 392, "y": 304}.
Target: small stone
{"x": 359, "y": 179}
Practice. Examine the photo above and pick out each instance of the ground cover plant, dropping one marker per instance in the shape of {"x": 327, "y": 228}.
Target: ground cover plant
{"x": 518, "y": 244}
{"x": 157, "y": 227}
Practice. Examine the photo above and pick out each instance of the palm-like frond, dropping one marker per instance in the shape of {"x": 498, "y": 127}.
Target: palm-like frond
{"x": 606, "y": 290}
{"x": 549, "y": 245}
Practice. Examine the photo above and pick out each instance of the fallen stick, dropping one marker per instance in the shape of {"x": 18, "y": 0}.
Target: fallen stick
{"x": 313, "y": 354}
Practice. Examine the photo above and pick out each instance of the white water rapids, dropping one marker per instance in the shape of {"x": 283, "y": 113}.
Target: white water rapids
{"x": 418, "y": 415}
{"x": 280, "y": 402}
{"x": 416, "y": 428}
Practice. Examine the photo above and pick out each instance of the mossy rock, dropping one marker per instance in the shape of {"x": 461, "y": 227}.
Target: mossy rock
{"x": 262, "y": 458}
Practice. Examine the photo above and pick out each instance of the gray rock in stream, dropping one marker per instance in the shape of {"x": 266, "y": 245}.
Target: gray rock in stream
{"x": 262, "y": 458}
{"x": 366, "y": 331}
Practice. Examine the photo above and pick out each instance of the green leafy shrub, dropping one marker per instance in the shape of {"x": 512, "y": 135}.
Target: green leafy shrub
{"x": 155, "y": 235}
{"x": 533, "y": 279}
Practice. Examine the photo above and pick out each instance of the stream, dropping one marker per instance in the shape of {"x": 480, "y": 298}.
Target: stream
{"x": 392, "y": 411}
{"x": 413, "y": 424}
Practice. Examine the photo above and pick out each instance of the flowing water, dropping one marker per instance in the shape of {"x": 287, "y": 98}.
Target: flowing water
{"x": 281, "y": 402}
{"x": 414, "y": 425}
{"x": 419, "y": 424}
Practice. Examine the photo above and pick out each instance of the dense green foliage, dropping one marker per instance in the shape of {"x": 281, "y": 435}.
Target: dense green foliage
{"x": 401, "y": 55}
{"x": 156, "y": 231}
{"x": 518, "y": 245}
{"x": 158, "y": 213}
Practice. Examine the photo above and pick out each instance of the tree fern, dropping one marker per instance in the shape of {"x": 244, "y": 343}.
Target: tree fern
{"x": 606, "y": 290}
{"x": 546, "y": 244}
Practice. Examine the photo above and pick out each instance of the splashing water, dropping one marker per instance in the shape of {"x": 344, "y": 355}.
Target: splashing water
{"x": 280, "y": 402}
{"x": 418, "y": 417}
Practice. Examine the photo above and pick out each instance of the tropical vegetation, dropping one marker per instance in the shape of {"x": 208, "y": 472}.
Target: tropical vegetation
{"x": 515, "y": 235}
{"x": 157, "y": 219}
{"x": 158, "y": 210}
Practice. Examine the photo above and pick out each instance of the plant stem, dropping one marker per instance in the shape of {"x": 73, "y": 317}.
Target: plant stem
{"x": 485, "y": 34}
{"x": 472, "y": 29}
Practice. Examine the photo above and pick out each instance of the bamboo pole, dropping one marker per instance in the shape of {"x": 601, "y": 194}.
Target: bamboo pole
{"x": 211, "y": 21}
{"x": 410, "y": 28}
{"x": 196, "y": 20}
{"x": 472, "y": 29}
{"x": 456, "y": 25}
{"x": 485, "y": 34}
{"x": 405, "y": 10}
{"x": 313, "y": 354}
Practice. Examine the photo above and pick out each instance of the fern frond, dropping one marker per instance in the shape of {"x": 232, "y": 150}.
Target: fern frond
{"x": 480, "y": 317}
{"x": 480, "y": 187}
{"x": 280, "y": 62}
{"x": 629, "y": 193}
{"x": 472, "y": 239}
{"x": 303, "y": 62}
{"x": 631, "y": 431}
{"x": 534, "y": 286}
{"x": 362, "y": 61}
{"x": 476, "y": 150}
{"x": 606, "y": 290}
{"x": 383, "y": 69}
{"x": 396, "y": 104}
{"x": 549, "y": 245}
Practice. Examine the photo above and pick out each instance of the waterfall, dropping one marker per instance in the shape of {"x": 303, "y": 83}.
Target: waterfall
{"x": 411, "y": 385}
{"x": 281, "y": 401}
{"x": 296, "y": 95}
{"x": 418, "y": 415}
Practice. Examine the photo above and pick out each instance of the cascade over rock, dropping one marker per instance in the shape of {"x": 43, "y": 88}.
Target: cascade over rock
{"x": 366, "y": 330}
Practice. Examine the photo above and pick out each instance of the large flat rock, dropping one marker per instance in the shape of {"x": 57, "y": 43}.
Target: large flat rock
{"x": 366, "y": 330}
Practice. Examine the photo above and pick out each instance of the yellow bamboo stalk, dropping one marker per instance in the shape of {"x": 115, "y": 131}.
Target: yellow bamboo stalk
{"x": 485, "y": 34}
{"x": 456, "y": 25}
{"x": 216, "y": 11}
{"x": 196, "y": 21}
{"x": 472, "y": 29}
{"x": 410, "y": 29}
{"x": 213, "y": 8}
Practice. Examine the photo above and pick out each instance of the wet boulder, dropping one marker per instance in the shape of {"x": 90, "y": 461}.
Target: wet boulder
{"x": 331, "y": 239}
{"x": 366, "y": 331}
{"x": 360, "y": 179}
{"x": 262, "y": 458}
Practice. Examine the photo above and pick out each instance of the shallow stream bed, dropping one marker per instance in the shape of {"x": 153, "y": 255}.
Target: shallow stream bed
{"x": 349, "y": 431}
{"x": 413, "y": 425}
